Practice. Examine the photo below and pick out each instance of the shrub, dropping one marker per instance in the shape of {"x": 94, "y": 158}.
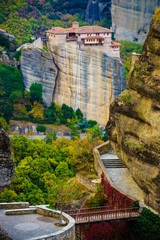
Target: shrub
{"x": 41, "y": 128}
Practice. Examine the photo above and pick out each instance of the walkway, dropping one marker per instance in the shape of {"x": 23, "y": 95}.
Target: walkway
{"x": 21, "y": 227}
{"x": 94, "y": 215}
{"x": 120, "y": 176}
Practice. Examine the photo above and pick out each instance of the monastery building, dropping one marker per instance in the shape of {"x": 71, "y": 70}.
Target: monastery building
{"x": 95, "y": 36}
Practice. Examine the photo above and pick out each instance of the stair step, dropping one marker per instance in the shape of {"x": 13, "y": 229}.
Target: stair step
{"x": 20, "y": 211}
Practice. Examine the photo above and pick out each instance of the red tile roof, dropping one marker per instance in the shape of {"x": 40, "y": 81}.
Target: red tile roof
{"x": 78, "y": 30}
{"x": 92, "y": 29}
{"x": 114, "y": 44}
{"x": 57, "y": 30}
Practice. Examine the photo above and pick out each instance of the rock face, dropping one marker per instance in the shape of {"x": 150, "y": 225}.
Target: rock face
{"x": 6, "y": 162}
{"x": 134, "y": 124}
{"x": 97, "y": 9}
{"x": 38, "y": 66}
{"x": 87, "y": 79}
{"x": 131, "y": 19}
{"x": 81, "y": 78}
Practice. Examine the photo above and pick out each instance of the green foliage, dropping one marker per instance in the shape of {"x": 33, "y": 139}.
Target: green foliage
{"x": 147, "y": 225}
{"x": 156, "y": 16}
{"x": 126, "y": 50}
{"x": 41, "y": 128}
{"x": 99, "y": 199}
{"x": 92, "y": 123}
{"x": 18, "y": 54}
{"x": 95, "y": 132}
{"x": 36, "y": 92}
{"x": 16, "y": 97}
{"x": 79, "y": 114}
{"x": 10, "y": 80}
{"x": 50, "y": 137}
{"x": 6, "y": 109}
{"x": 4, "y": 42}
{"x": 41, "y": 166}
{"x": 74, "y": 132}
{"x": 126, "y": 97}
{"x": 4, "y": 123}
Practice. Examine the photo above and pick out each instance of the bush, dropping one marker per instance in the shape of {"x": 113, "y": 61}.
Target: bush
{"x": 41, "y": 128}
{"x": 36, "y": 92}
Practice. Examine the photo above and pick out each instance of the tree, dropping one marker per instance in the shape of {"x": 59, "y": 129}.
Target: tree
{"x": 37, "y": 110}
{"x": 36, "y": 92}
{"x": 4, "y": 123}
{"x": 51, "y": 136}
{"x": 147, "y": 225}
{"x": 74, "y": 132}
{"x": 95, "y": 132}
{"x": 16, "y": 97}
{"x": 79, "y": 114}
{"x": 6, "y": 109}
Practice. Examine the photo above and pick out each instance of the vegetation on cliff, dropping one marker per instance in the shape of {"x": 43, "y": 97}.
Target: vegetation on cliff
{"x": 126, "y": 50}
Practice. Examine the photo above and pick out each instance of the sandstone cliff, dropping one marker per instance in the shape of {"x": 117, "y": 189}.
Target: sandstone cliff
{"x": 82, "y": 77}
{"x": 97, "y": 9}
{"x": 131, "y": 19}
{"x": 6, "y": 163}
{"x": 38, "y": 66}
{"x": 134, "y": 124}
{"x": 88, "y": 80}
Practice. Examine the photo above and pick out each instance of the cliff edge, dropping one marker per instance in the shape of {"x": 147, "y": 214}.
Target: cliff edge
{"x": 7, "y": 167}
{"x": 134, "y": 123}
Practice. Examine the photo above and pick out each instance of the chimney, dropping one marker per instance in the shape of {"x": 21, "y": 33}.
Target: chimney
{"x": 75, "y": 24}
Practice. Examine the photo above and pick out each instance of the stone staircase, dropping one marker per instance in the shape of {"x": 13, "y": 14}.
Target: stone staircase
{"x": 111, "y": 161}
{"x": 120, "y": 176}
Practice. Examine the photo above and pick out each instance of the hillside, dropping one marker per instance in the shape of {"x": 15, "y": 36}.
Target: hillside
{"x": 27, "y": 18}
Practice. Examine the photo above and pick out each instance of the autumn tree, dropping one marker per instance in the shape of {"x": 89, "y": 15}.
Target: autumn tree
{"x": 37, "y": 110}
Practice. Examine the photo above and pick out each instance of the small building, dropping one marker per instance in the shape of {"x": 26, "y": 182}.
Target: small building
{"x": 86, "y": 35}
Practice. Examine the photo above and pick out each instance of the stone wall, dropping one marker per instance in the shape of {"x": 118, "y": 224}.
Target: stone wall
{"x": 89, "y": 184}
{"x": 67, "y": 233}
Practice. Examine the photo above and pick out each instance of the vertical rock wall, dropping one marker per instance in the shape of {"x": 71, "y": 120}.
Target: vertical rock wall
{"x": 134, "y": 124}
{"x": 88, "y": 79}
{"x": 131, "y": 19}
{"x": 38, "y": 66}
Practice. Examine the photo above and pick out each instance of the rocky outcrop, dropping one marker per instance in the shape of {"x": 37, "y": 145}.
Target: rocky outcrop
{"x": 131, "y": 19}
{"x": 5, "y": 59}
{"x": 6, "y": 162}
{"x": 88, "y": 79}
{"x": 134, "y": 124}
{"x": 77, "y": 76}
{"x": 38, "y": 65}
{"x": 97, "y": 9}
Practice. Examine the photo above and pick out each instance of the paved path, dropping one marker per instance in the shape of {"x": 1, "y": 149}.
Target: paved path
{"x": 121, "y": 177}
{"x": 21, "y": 227}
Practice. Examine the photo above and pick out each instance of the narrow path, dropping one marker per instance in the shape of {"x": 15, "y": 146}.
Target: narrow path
{"x": 120, "y": 176}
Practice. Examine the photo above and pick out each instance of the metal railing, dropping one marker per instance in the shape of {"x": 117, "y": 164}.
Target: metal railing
{"x": 102, "y": 214}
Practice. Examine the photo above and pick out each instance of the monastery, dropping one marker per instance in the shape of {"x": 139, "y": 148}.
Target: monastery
{"x": 95, "y": 36}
